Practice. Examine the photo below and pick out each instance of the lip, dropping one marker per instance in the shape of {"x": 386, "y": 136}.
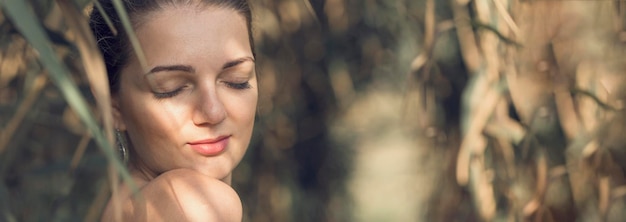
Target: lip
{"x": 210, "y": 147}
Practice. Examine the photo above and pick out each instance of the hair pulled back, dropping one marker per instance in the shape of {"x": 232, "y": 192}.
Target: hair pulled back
{"x": 116, "y": 48}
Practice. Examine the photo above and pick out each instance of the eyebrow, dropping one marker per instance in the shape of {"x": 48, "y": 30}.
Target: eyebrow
{"x": 186, "y": 68}
{"x": 183, "y": 68}
{"x": 237, "y": 62}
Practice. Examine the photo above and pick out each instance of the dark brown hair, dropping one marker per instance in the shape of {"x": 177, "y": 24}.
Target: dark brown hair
{"x": 116, "y": 48}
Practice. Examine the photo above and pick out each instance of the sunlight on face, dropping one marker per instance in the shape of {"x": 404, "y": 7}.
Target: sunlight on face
{"x": 195, "y": 106}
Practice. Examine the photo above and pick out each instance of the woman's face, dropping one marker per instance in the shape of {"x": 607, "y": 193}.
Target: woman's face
{"x": 195, "y": 105}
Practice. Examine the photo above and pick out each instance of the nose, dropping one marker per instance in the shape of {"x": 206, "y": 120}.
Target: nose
{"x": 209, "y": 108}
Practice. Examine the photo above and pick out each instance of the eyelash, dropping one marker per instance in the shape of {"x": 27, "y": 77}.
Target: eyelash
{"x": 170, "y": 94}
{"x": 237, "y": 86}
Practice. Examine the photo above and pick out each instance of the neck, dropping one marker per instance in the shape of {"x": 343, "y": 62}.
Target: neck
{"x": 140, "y": 171}
{"x": 228, "y": 179}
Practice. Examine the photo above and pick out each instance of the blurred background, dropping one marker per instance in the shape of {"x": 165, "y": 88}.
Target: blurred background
{"x": 370, "y": 110}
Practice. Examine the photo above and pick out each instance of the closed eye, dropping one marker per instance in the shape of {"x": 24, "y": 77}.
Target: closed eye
{"x": 170, "y": 94}
{"x": 239, "y": 86}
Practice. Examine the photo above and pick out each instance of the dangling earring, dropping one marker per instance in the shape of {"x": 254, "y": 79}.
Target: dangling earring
{"x": 120, "y": 141}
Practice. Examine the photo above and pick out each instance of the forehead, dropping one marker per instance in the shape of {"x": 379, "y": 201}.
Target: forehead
{"x": 193, "y": 34}
{"x": 146, "y": 13}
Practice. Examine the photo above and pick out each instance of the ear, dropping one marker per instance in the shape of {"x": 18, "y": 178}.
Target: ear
{"x": 118, "y": 121}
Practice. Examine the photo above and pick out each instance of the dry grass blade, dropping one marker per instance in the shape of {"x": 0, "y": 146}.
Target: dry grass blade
{"x": 418, "y": 62}
{"x": 80, "y": 151}
{"x": 618, "y": 192}
{"x": 422, "y": 63}
{"x": 341, "y": 83}
{"x": 98, "y": 203}
{"x": 622, "y": 15}
{"x": 96, "y": 73}
{"x": 508, "y": 153}
{"x": 134, "y": 41}
{"x": 488, "y": 40}
{"x": 507, "y": 18}
{"x": 557, "y": 172}
{"x": 424, "y": 59}
{"x": 477, "y": 123}
{"x": 310, "y": 10}
{"x": 92, "y": 61}
{"x": 106, "y": 17}
{"x": 590, "y": 149}
{"x": 506, "y": 132}
{"x": 482, "y": 187}
{"x": 22, "y": 110}
{"x": 115, "y": 197}
{"x": 481, "y": 26}
{"x": 467, "y": 41}
{"x": 26, "y": 22}
{"x": 429, "y": 20}
{"x": 567, "y": 113}
{"x": 597, "y": 100}
{"x": 503, "y": 126}
{"x": 604, "y": 195}
{"x": 542, "y": 185}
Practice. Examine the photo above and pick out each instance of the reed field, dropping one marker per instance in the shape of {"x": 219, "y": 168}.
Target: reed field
{"x": 369, "y": 110}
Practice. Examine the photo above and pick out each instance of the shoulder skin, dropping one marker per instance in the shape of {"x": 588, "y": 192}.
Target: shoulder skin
{"x": 180, "y": 195}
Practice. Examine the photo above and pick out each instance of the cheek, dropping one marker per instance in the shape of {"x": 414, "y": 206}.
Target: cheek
{"x": 243, "y": 109}
{"x": 151, "y": 120}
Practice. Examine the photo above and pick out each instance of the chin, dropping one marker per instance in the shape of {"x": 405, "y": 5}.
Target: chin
{"x": 219, "y": 173}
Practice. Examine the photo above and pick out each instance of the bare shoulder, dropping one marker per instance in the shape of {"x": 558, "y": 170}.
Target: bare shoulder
{"x": 184, "y": 195}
